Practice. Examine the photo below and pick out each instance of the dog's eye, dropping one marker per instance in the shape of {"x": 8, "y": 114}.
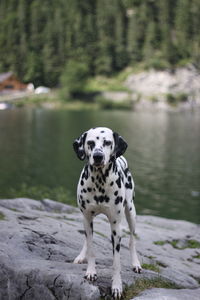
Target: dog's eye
{"x": 107, "y": 143}
{"x": 91, "y": 144}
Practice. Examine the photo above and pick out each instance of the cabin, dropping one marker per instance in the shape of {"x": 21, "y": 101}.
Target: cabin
{"x": 9, "y": 82}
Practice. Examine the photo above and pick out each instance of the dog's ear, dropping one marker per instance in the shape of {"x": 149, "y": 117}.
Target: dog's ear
{"x": 78, "y": 145}
{"x": 120, "y": 144}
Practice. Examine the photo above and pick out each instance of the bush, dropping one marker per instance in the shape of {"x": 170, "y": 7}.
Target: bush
{"x": 73, "y": 79}
{"x": 177, "y": 98}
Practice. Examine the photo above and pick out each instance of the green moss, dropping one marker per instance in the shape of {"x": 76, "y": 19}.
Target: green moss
{"x": 161, "y": 243}
{"x": 143, "y": 284}
{"x": 177, "y": 245}
{"x": 187, "y": 244}
{"x": 2, "y": 216}
{"x": 196, "y": 256}
{"x": 151, "y": 267}
{"x": 193, "y": 244}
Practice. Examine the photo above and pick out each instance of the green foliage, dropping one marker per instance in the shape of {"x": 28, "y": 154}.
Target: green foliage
{"x": 73, "y": 79}
{"x": 38, "y": 38}
{"x": 177, "y": 98}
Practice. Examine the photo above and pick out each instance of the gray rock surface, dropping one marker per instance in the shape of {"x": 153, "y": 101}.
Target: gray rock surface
{"x": 155, "y": 85}
{"x": 40, "y": 239}
{"x": 168, "y": 294}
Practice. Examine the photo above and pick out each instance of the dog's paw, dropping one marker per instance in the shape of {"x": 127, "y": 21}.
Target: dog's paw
{"x": 116, "y": 292}
{"x": 80, "y": 260}
{"x": 137, "y": 268}
{"x": 91, "y": 276}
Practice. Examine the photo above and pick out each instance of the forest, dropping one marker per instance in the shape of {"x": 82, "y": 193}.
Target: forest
{"x": 38, "y": 39}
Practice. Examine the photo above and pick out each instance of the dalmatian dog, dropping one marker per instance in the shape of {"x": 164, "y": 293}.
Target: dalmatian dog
{"x": 105, "y": 187}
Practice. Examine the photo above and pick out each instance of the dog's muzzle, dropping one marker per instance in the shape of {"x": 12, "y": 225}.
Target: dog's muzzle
{"x": 98, "y": 157}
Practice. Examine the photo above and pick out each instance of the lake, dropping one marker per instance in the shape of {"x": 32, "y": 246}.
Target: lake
{"x": 163, "y": 154}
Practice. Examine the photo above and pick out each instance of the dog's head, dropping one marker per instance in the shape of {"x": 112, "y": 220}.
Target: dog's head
{"x": 99, "y": 145}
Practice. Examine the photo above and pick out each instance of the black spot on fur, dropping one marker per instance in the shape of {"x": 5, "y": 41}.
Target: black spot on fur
{"x": 114, "y": 222}
{"x": 103, "y": 191}
{"x": 92, "y": 178}
{"x": 82, "y": 182}
{"x": 111, "y": 184}
{"x": 130, "y": 208}
{"x": 91, "y": 225}
{"x": 84, "y": 191}
{"x": 125, "y": 202}
{"x": 129, "y": 185}
{"x": 83, "y": 204}
{"x": 118, "y": 211}
{"x": 114, "y": 232}
{"x": 102, "y": 131}
{"x": 118, "y": 247}
{"x": 125, "y": 171}
{"x": 107, "y": 199}
{"x": 89, "y": 189}
{"x": 118, "y": 182}
{"x": 116, "y": 193}
{"x": 118, "y": 200}
{"x": 97, "y": 137}
{"x": 88, "y": 201}
{"x": 113, "y": 243}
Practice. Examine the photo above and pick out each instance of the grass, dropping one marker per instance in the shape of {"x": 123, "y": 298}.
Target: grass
{"x": 143, "y": 284}
{"x": 2, "y": 216}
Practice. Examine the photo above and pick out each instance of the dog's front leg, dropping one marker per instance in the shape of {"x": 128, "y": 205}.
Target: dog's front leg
{"x": 116, "y": 243}
{"x": 91, "y": 269}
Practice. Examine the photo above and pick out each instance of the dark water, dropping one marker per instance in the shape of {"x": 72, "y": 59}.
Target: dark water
{"x": 163, "y": 154}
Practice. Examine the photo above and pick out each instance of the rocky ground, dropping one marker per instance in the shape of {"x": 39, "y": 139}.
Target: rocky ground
{"x": 40, "y": 239}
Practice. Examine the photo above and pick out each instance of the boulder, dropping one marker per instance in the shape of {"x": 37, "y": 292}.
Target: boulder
{"x": 40, "y": 239}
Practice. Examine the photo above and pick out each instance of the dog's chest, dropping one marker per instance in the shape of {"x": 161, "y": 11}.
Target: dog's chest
{"x": 97, "y": 190}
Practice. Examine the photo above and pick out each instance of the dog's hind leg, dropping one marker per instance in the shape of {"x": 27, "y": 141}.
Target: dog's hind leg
{"x": 131, "y": 216}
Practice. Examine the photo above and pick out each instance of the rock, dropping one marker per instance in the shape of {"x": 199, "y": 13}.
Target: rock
{"x": 40, "y": 239}
{"x": 171, "y": 294}
{"x": 152, "y": 87}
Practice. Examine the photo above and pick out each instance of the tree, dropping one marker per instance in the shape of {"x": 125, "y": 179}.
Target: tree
{"x": 73, "y": 79}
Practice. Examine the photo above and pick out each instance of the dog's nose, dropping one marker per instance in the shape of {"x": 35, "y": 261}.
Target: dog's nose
{"x": 98, "y": 157}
